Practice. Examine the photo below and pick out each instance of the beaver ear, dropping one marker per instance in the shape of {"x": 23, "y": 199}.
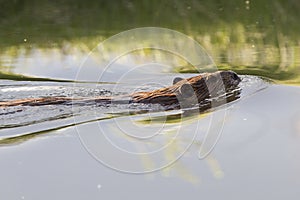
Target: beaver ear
{"x": 186, "y": 90}
{"x": 176, "y": 80}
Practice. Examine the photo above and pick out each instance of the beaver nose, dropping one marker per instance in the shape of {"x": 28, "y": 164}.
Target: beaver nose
{"x": 236, "y": 77}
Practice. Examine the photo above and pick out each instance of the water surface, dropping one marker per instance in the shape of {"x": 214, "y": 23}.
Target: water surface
{"x": 79, "y": 151}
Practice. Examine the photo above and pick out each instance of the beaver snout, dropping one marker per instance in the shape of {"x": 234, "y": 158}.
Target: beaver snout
{"x": 230, "y": 79}
{"x": 236, "y": 78}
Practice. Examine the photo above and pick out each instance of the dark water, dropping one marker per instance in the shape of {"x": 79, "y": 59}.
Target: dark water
{"x": 246, "y": 149}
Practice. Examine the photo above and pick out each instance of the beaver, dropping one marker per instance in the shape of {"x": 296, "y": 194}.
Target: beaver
{"x": 192, "y": 90}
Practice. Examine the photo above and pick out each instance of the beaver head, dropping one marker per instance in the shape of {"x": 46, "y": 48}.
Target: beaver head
{"x": 207, "y": 85}
{"x": 199, "y": 87}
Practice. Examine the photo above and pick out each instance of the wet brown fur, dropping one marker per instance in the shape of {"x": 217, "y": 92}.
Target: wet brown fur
{"x": 203, "y": 86}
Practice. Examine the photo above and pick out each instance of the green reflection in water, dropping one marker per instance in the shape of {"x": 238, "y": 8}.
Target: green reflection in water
{"x": 250, "y": 37}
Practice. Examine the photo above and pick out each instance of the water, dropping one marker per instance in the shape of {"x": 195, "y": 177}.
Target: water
{"x": 245, "y": 149}
{"x": 57, "y": 165}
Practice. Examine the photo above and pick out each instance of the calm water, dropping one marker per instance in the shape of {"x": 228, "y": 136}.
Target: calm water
{"x": 259, "y": 145}
{"x": 246, "y": 149}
